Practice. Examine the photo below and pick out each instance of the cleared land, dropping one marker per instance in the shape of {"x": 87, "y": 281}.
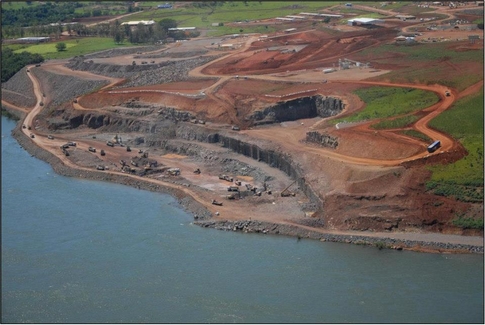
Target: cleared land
{"x": 372, "y": 180}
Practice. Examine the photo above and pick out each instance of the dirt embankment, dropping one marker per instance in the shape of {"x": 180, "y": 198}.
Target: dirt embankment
{"x": 200, "y": 213}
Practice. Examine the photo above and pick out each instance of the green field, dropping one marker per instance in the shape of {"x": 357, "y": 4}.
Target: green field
{"x": 229, "y": 12}
{"x": 464, "y": 178}
{"x": 14, "y": 5}
{"x": 396, "y": 123}
{"x": 383, "y": 102}
{"x": 417, "y": 135}
{"x": 74, "y": 47}
{"x": 431, "y": 73}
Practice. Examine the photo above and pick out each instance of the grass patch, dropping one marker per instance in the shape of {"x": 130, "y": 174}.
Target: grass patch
{"x": 383, "y": 102}
{"x": 464, "y": 178}
{"x": 396, "y": 123}
{"x": 228, "y": 12}
{"x": 431, "y": 73}
{"x": 417, "y": 135}
{"x": 468, "y": 223}
{"x": 14, "y": 5}
{"x": 74, "y": 47}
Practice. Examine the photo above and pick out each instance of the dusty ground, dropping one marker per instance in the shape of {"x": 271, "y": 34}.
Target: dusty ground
{"x": 373, "y": 181}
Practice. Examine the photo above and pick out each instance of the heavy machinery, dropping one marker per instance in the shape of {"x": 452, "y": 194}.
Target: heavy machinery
{"x": 286, "y": 193}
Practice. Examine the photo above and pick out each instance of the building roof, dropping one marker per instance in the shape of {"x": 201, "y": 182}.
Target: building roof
{"x": 33, "y": 39}
{"x": 136, "y": 22}
{"x": 320, "y": 15}
{"x": 182, "y": 28}
{"x": 366, "y": 20}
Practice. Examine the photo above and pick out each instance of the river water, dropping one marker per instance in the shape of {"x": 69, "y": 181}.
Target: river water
{"x": 78, "y": 251}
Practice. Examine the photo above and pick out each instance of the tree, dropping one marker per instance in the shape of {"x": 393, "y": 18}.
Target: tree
{"x": 167, "y": 23}
{"x": 61, "y": 46}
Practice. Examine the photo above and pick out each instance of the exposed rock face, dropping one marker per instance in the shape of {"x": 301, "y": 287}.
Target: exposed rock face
{"x": 324, "y": 140}
{"x": 307, "y": 107}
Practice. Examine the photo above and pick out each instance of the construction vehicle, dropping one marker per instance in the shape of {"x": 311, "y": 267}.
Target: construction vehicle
{"x": 434, "y": 146}
{"x": 71, "y": 144}
{"x": 226, "y": 178}
{"x": 128, "y": 148}
{"x": 32, "y": 135}
{"x": 216, "y": 203}
{"x": 197, "y": 171}
{"x": 231, "y": 197}
{"x": 110, "y": 144}
{"x": 173, "y": 171}
{"x": 65, "y": 152}
{"x": 92, "y": 149}
{"x": 233, "y": 189}
{"x": 237, "y": 182}
{"x": 134, "y": 163}
{"x": 447, "y": 93}
{"x": 50, "y": 137}
{"x": 102, "y": 152}
{"x": 286, "y": 193}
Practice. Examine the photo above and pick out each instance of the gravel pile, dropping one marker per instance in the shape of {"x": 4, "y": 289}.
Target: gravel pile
{"x": 172, "y": 72}
{"x": 171, "y": 55}
{"x": 142, "y": 75}
{"x": 20, "y": 90}
{"x": 122, "y": 51}
{"x": 63, "y": 87}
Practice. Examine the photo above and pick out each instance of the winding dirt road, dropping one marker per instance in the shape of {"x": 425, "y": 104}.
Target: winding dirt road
{"x": 274, "y": 135}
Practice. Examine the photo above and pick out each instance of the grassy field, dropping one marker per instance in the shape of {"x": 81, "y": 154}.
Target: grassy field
{"x": 431, "y": 73}
{"x": 230, "y": 11}
{"x": 74, "y": 47}
{"x": 383, "y": 102}
{"x": 399, "y": 122}
{"x": 464, "y": 178}
{"x": 14, "y": 5}
{"x": 417, "y": 135}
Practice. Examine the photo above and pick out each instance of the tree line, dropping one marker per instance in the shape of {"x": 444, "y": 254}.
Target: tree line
{"x": 14, "y": 62}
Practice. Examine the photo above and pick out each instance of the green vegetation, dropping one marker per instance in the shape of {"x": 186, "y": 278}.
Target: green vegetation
{"x": 429, "y": 54}
{"x": 464, "y": 178}
{"x": 468, "y": 223}
{"x": 417, "y": 135}
{"x": 49, "y": 12}
{"x": 74, "y": 47}
{"x": 9, "y": 115}
{"x": 203, "y": 14}
{"x": 61, "y": 46}
{"x": 396, "y": 123}
{"x": 382, "y": 102}
{"x": 13, "y": 62}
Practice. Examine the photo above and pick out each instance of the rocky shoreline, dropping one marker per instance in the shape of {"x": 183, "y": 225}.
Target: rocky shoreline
{"x": 203, "y": 217}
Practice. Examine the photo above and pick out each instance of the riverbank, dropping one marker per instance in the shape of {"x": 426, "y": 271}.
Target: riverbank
{"x": 204, "y": 218}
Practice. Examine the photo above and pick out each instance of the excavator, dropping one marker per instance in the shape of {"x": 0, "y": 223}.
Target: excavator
{"x": 286, "y": 193}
